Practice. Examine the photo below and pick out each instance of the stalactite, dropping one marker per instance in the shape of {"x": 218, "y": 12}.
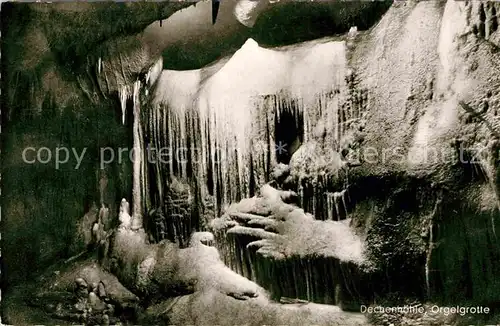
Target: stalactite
{"x": 154, "y": 72}
{"x": 330, "y": 206}
{"x": 124, "y": 95}
{"x": 338, "y": 205}
{"x": 139, "y": 177}
{"x": 99, "y": 65}
{"x": 433, "y": 242}
{"x": 233, "y": 123}
{"x": 310, "y": 279}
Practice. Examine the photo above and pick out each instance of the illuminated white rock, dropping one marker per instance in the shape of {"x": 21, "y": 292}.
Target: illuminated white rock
{"x": 245, "y": 12}
{"x": 124, "y": 215}
{"x": 229, "y": 109}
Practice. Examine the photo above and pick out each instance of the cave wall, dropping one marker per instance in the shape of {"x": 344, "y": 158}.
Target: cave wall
{"x": 403, "y": 80}
{"x": 217, "y": 126}
{"x": 425, "y": 174}
{"x": 65, "y": 67}
{"x": 273, "y": 24}
{"x": 422, "y": 79}
{"x": 425, "y": 65}
{"x": 53, "y": 96}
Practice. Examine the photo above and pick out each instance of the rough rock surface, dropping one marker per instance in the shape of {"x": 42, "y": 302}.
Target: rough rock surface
{"x": 288, "y": 230}
{"x": 425, "y": 77}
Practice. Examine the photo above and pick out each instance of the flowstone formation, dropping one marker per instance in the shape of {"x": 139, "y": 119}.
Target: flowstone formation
{"x": 290, "y": 253}
{"x": 221, "y": 134}
{"x": 400, "y": 152}
{"x": 285, "y": 185}
{"x": 162, "y": 283}
{"x": 175, "y": 219}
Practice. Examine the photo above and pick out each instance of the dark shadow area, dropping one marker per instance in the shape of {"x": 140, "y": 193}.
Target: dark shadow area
{"x": 288, "y": 134}
{"x": 284, "y": 24}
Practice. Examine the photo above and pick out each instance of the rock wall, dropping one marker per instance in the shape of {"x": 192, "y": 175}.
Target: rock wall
{"x": 405, "y": 125}
{"x": 55, "y": 95}
{"x": 425, "y": 91}
{"x": 421, "y": 169}
{"x": 424, "y": 78}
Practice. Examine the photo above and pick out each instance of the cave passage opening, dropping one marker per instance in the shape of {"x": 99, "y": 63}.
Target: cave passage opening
{"x": 288, "y": 131}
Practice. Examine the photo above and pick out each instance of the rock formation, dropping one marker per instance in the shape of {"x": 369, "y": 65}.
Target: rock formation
{"x": 277, "y": 185}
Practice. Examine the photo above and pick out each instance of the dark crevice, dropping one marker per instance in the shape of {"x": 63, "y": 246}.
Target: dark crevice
{"x": 283, "y": 24}
{"x": 494, "y": 19}
{"x": 482, "y": 20}
{"x": 288, "y": 132}
{"x": 472, "y": 169}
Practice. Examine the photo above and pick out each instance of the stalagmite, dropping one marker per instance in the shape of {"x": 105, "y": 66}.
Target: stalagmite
{"x": 124, "y": 215}
{"x": 204, "y": 238}
{"x": 104, "y": 217}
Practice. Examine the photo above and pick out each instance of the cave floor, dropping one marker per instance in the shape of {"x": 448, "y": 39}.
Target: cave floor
{"x": 202, "y": 307}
